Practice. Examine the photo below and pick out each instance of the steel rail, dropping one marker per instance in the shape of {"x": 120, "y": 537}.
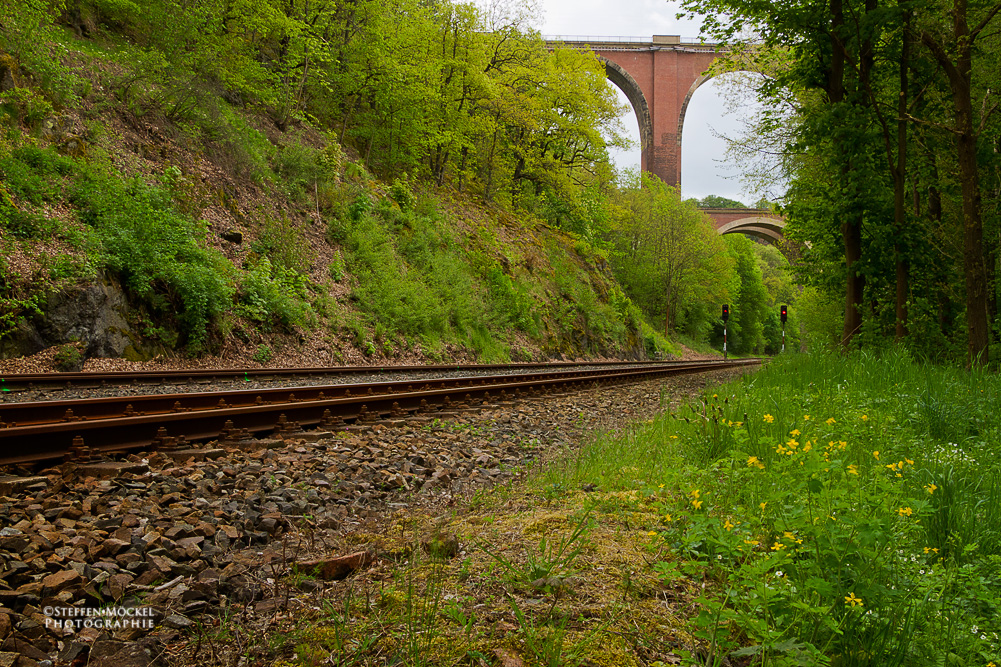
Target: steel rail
{"x": 18, "y": 382}
{"x": 69, "y": 410}
{"x": 31, "y": 443}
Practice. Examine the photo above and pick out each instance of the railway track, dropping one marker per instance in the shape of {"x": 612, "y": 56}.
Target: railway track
{"x": 44, "y": 381}
{"x": 32, "y": 432}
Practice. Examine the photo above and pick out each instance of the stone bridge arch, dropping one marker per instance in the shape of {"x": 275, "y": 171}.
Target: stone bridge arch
{"x": 624, "y": 81}
{"x": 658, "y": 77}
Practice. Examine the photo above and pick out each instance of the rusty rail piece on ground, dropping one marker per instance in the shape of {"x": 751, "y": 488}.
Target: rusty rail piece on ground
{"x": 40, "y": 431}
{"x": 85, "y": 380}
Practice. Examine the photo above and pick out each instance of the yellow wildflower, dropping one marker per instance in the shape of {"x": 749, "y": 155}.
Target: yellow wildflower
{"x": 778, "y": 546}
{"x": 697, "y": 504}
{"x": 830, "y": 422}
{"x": 652, "y": 533}
{"x": 728, "y": 526}
{"x": 853, "y": 469}
{"x": 753, "y": 543}
{"x": 762, "y": 505}
{"x": 930, "y": 488}
{"x": 806, "y": 418}
{"x": 694, "y": 493}
{"x": 876, "y": 454}
{"x": 808, "y": 446}
{"x": 794, "y": 432}
{"x": 905, "y": 511}
{"x": 865, "y": 418}
{"x": 769, "y": 419}
{"x": 853, "y": 601}
{"x": 752, "y": 461}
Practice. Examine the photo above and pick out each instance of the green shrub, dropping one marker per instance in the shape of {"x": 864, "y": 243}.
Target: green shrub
{"x": 68, "y": 358}
{"x": 401, "y": 194}
{"x": 25, "y": 106}
{"x": 263, "y": 354}
{"x": 337, "y": 268}
{"x": 284, "y": 245}
{"x": 274, "y": 295}
{"x": 301, "y": 167}
{"x": 158, "y": 252}
{"x": 511, "y": 302}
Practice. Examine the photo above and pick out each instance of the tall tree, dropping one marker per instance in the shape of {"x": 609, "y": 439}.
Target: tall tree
{"x": 953, "y": 46}
{"x": 670, "y": 258}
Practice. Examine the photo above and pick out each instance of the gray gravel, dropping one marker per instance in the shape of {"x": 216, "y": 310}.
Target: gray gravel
{"x": 196, "y": 536}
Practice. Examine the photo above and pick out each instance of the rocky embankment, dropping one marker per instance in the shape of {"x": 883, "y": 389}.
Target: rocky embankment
{"x": 186, "y": 538}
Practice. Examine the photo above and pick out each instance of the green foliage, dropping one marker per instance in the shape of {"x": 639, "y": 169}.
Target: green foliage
{"x": 418, "y": 286}
{"x": 749, "y": 301}
{"x": 68, "y": 358}
{"x": 715, "y": 201}
{"x": 25, "y": 106}
{"x": 273, "y": 294}
{"x": 303, "y": 169}
{"x": 821, "y": 318}
{"x": 511, "y": 302}
{"x": 263, "y": 354}
{"x": 844, "y": 510}
{"x": 670, "y": 260}
{"x": 158, "y": 252}
{"x": 282, "y": 242}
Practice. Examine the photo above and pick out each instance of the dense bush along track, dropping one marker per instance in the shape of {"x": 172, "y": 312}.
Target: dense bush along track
{"x": 46, "y": 430}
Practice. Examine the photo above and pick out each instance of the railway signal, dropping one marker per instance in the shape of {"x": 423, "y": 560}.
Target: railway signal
{"x": 726, "y": 316}
{"x": 784, "y": 315}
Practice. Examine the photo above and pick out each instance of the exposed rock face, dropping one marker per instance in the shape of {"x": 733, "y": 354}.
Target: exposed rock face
{"x": 93, "y": 315}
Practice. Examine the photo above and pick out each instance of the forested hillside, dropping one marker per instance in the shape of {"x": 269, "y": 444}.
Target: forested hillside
{"x": 334, "y": 182}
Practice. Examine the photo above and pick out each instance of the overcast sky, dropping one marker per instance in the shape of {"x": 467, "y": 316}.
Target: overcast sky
{"x": 703, "y": 173}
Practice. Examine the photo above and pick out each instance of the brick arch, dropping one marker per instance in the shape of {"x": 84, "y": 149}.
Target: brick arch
{"x": 659, "y": 77}
{"x": 765, "y": 227}
{"x": 628, "y": 85}
{"x": 688, "y": 98}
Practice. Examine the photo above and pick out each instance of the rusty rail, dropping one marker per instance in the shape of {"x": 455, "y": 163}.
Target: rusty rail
{"x": 21, "y": 382}
{"x": 40, "y": 431}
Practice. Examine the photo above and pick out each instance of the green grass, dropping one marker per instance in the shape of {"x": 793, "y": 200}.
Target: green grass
{"x": 846, "y": 510}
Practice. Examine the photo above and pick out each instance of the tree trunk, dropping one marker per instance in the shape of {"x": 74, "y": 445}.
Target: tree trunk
{"x": 899, "y": 191}
{"x": 851, "y": 233}
{"x": 960, "y": 75}
{"x": 851, "y": 227}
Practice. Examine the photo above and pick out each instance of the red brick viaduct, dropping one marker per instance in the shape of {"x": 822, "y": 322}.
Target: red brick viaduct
{"x": 659, "y": 77}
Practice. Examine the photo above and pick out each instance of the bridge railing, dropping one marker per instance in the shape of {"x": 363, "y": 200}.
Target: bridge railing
{"x": 596, "y": 39}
